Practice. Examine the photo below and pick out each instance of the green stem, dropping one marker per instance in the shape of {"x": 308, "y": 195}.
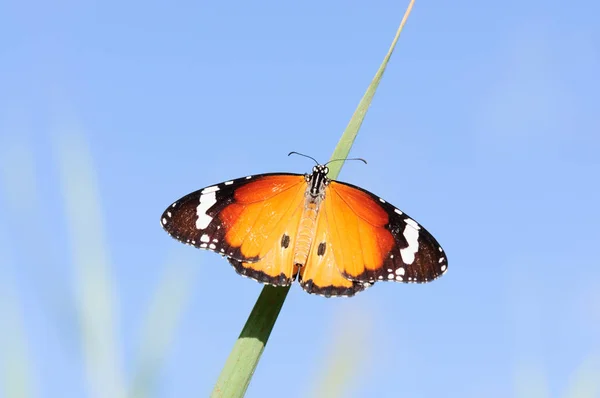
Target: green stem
{"x": 246, "y": 352}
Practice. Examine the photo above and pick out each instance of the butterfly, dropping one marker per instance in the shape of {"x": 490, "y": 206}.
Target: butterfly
{"x": 335, "y": 238}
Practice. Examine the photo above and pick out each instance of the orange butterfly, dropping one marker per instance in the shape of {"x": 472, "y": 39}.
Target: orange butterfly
{"x": 336, "y": 238}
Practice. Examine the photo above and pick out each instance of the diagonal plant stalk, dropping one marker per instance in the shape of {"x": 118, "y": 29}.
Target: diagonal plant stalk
{"x": 243, "y": 359}
{"x": 95, "y": 288}
{"x": 18, "y": 370}
{"x": 160, "y": 324}
{"x": 337, "y": 375}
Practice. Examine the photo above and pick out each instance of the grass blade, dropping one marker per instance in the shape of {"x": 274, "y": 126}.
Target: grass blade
{"x": 243, "y": 359}
{"x": 160, "y": 324}
{"x": 343, "y": 366}
{"x": 343, "y": 146}
{"x": 584, "y": 381}
{"x": 95, "y": 290}
{"x": 19, "y": 192}
{"x": 16, "y": 367}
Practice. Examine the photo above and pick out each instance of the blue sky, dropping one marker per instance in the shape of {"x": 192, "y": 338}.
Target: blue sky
{"x": 484, "y": 129}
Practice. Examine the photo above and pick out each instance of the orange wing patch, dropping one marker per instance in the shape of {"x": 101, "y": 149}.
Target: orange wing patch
{"x": 321, "y": 274}
{"x": 261, "y": 213}
{"x": 276, "y": 266}
{"x": 359, "y": 235}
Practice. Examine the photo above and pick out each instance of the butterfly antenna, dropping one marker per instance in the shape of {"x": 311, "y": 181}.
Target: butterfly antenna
{"x": 301, "y": 154}
{"x": 339, "y": 160}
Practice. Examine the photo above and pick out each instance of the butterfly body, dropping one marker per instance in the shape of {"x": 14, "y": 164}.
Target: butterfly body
{"x": 313, "y": 197}
{"x": 335, "y": 238}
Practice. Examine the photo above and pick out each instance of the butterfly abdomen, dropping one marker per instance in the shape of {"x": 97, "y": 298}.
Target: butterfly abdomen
{"x": 306, "y": 230}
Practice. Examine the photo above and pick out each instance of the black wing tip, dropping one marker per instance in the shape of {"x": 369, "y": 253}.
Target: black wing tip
{"x": 165, "y": 219}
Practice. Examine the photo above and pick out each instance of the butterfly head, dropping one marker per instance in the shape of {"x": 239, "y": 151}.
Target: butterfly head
{"x": 320, "y": 168}
{"x": 317, "y": 181}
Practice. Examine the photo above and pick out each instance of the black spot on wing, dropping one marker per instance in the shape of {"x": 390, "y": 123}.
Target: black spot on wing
{"x": 321, "y": 248}
{"x": 285, "y": 241}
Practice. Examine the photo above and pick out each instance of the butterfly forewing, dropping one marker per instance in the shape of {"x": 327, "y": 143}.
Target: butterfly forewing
{"x": 251, "y": 220}
{"x": 235, "y": 218}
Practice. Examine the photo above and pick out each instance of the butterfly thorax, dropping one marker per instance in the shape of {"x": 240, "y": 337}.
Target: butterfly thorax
{"x": 317, "y": 181}
{"x": 313, "y": 197}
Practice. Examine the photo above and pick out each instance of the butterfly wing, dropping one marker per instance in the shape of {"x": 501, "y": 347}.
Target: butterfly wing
{"x": 374, "y": 241}
{"x": 321, "y": 275}
{"x": 251, "y": 220}
{"x": 275, "y": 269}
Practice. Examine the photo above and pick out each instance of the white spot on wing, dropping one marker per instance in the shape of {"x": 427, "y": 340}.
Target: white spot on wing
{"x": 412, "y": 238}
{"x": 398, "y": 211}
{"x": 443, "y": 268}
{"x": 400, "y": 271}
{"x": 212, "y": 246}
{"x": 164, "y": 221}
{"x": 205, "y": 238}
{"x": 249, "y": 177}
{"x": 206, "y": 201}
{"x": 412, "y": 223}
{"x": 169, "y": 214}
{"x": 228, "y": 182}
{"x": 381, "y": 200}
{"x": 214, "y": 188}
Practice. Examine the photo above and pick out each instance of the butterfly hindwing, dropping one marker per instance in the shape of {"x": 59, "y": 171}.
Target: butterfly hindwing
{"x": 376, "y": 241}
{"x": 276, "y": 267}
{"x": 320, "y": 274}
{"x": 270, "y": 271}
